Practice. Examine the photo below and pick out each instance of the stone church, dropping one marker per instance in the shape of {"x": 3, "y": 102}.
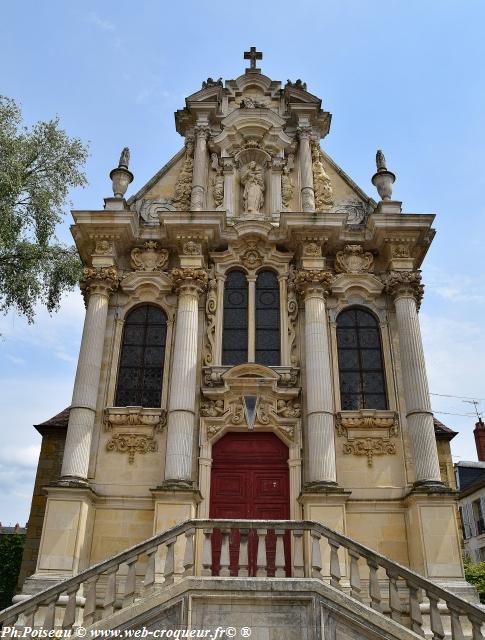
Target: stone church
{"x": 250, "y": 443}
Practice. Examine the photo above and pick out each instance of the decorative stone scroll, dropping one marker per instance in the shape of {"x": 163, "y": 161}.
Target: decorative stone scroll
{"x": 353, "y": 259}
{"x": 370, "y": 447}
{"x": 99, "y": 280}
{"x": 210, "y": 312}
{"x": 292, "y": 310}
{"x": 132, "y": 443}
{"x": 149, "y": 258}
{"x": 405, "y": 284}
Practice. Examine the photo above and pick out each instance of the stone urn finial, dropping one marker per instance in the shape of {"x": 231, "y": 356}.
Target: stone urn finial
{"x": 383, "y": 179}
{"x": 121, "y": 176}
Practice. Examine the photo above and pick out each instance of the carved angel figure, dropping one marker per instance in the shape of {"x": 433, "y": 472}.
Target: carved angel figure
{"x": 380, "y": 161}
{"x": 218, "y": 187}
{"x": 253, "y": 181}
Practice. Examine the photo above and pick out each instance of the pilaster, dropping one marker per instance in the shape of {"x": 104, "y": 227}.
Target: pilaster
{"x": 306, "y": 172}
{"x": 199, "y": 176}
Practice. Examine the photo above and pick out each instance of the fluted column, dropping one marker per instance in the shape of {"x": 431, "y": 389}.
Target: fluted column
{"x": 96, "y": 284}
{"x": 189, "y": 284}
{"x": 314, "y": 286}
{"x": 306, "y": 171}
{"x": 199, "y": 176}
{"x": 407, "y": 291}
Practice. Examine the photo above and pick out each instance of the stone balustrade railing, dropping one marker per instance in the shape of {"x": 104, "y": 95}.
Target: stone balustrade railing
{"x": 254, "y": 548}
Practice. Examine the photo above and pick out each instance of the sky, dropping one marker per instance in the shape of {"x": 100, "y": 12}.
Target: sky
{"x": 405, "y": 77}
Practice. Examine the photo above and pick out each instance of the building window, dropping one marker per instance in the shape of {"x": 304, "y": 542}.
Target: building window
{"x": 142, "y": 358}
{"x": 478, "y": 517}
{"x": 361, "y": 370}
{"x": 267, "y": 319}
{"x": 235, "y": 328}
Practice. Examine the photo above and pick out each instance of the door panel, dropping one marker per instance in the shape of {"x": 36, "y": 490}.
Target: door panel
{"x": 250, "y": 480}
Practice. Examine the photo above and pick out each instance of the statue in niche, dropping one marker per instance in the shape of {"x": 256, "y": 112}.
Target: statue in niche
{"x": 286, "y": 187}
{"x": 321, "y": 181}
{"x": 183, "y": 186}
{"x": 253, "y": 182}
{"x": 218, "y": 187}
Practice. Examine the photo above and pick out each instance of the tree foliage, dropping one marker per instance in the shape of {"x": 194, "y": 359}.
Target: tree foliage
{"x": 475, "y": 575}
{"x": 11, "y": 548}
{"x": 38, "y": 166}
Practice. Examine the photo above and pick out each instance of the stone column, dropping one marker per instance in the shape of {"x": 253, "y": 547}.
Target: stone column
{"x": 407, "y": 291}
{"x": 199, "y": 176}
{"x": 251, "y": 318}
{"x": 189, "y": 284}
{"x": 228, "y": 170}
{"x": 314, "y": 286}
{"x": 97, "y": 285}
{"x": 306, "y": 170}
{"x": 275, "y": 185}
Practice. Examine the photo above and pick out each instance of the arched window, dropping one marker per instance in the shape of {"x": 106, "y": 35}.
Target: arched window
{"x": 267, "y": 319}
{"x": 235, "y": 329}
{"x": 142, "y": 357}
{"x": 362, "y": 383}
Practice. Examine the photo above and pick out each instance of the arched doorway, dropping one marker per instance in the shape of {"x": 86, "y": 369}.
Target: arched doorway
{"x": 250, "y": 479}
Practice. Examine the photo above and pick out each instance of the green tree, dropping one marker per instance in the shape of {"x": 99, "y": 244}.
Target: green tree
{"x": 475, "y": 575}
{"x": 11, "y": 547}
{"x": 38, "y": 166}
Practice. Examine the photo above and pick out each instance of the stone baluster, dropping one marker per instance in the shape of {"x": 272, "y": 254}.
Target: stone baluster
{"x": 435, "y": 622}
{"x": 243, "y": 564}
{"x": 314, "y": 286}
{"x": 261, "y": 562}
{"x": 97, "y": 284}
{"x": 306, "y": 170}
{"x": 456, "y": 628}
{"x": 50, "y": 613}
{"x": 280, "y": 554}
{"x": 189, "y": 284}
{"x": 110, "y": 594}
{"x": 335, "y": 574}
{"x": 298, "y": 562}
{"x": 316, "y": 555}
{"x": 130, "y": 582}
{"x": 199, "y": 175}
{"x": 225, "y": 560}
{"x": 70, "y": 610}
{"x": 189, "y": 556}
{"x": 149, "y": 579}
{"x": 407, "y": 291}
{"x": 169, "y": 566}
{"x": 207, "y": 553}
{"x": 374, "y": 587}
{"x": 355, "y": 584}
{"x": 89, "y": 612}
{"x": 394, "y": 600}
{"x": 415, "y": 610}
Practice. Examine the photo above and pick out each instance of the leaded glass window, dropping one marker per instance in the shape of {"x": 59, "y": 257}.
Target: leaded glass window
{"x": 267, "y": 319}
{"x": 142, "y": 358}
{"x": 235, "y": 328}
{"x": 361, "y": 370}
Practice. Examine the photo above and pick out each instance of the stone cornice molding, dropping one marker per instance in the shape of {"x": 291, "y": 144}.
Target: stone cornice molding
{"x": 312, "y": 282}
{"x": 405, "y": 284}
{"x": 189, "y": 281}
{"x": 101, "y": 280}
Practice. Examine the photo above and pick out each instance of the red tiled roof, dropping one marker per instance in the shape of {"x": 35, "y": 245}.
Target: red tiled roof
{"x": 60, "y": 420}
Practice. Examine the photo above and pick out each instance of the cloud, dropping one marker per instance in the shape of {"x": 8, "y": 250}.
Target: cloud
{"x": 20, "y": 456}
{"x": 98, "y": 22}
{"x": 455, "y": 287}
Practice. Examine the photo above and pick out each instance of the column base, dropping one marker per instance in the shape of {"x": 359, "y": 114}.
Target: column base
{"x": 322, "y": 486}
{"x": 431, "y": 486}
{"x": 176, "y": 485}
{"x": 72, "y": 481}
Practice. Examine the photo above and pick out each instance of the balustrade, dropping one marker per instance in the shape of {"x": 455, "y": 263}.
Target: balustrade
{"x": 386, "y": 586}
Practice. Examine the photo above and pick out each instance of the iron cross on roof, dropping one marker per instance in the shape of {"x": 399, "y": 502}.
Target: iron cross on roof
{"x": 253, "y": 55}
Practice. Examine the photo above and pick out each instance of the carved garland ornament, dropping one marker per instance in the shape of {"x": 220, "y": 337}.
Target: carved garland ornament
{"x": 405, "y": 283}
{"x": 373, "y": 444}
{"x": 353, "y": 260}
{"x": 132, "y": 443}
{"x": 149, "y": 258}
{"x": 134, "y": 417}
{"x": 370, "y": 447}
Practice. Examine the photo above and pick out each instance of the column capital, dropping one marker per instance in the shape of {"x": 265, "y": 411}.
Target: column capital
{"x": 189, "y": 281}
{"x": 405, "y": 284}
{"x": 304, "y": 132}
{"x": 102, "y": 280}
{"x": 316, "y": 282}
{"x": 202, "y": 131}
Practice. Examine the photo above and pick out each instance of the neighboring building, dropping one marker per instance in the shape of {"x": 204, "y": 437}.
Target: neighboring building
{"x": 251, "y": 351}
{"x": 470, "y": 480}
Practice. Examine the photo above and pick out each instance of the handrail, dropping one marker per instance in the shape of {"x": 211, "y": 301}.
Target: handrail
{"x": 395, "y": 571}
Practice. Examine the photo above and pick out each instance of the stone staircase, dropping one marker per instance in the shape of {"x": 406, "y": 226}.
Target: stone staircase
{"x": 328, "y": 586}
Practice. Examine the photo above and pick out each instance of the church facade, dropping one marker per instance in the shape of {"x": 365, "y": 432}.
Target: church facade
{"x": 252, "y": 351}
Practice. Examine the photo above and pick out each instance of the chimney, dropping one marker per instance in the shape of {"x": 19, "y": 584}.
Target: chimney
{"x": 479, "y": 433}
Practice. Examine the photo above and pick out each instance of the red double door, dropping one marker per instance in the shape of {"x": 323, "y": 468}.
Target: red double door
{"x": 250, "y": 481}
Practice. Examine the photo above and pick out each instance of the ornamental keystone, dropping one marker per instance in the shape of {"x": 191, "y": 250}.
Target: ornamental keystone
{"x": 353, "y": 260}
{"x": 150, "y": 258}
{"x": 405, "y": 284}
